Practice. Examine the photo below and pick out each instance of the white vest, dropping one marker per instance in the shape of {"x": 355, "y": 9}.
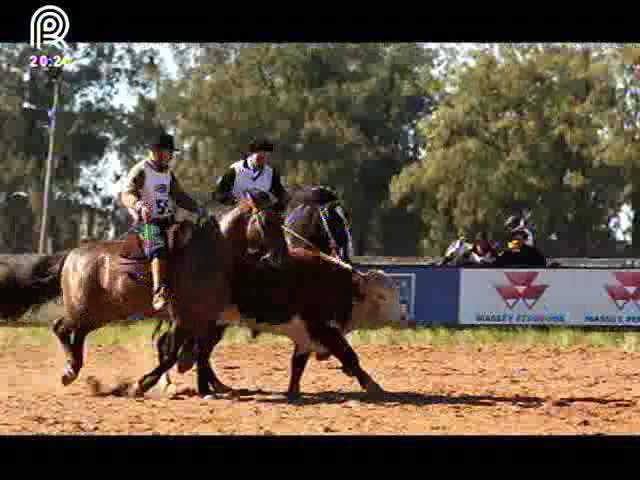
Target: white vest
{"x": 247, "y": 179}
{"x": 156, "y": 191}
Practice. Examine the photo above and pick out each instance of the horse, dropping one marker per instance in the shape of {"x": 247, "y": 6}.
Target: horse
{"x": 254, "y": 230}
{"x": 105, "y": 281}
{"x": 318, "y": 219}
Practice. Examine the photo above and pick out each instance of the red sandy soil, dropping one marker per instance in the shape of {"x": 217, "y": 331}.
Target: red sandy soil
{"x": 431, "y": 390}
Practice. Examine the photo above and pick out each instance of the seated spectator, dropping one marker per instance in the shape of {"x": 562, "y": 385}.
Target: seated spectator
{"x": 483, "y": 250}
{"x": 519, "y": 253}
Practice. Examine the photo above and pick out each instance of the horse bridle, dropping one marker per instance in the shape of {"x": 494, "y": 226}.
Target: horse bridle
{"x": 259, "y": 213}
{"x": 324, "y": 214}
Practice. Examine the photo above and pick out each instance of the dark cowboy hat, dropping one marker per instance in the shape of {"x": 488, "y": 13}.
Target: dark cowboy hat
{"x": 260, "y": 145}
{"x": 165, "y": 142}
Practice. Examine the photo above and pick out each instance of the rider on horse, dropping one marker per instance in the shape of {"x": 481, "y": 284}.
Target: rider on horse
{"x": 149, "y": 194}
{"x": 252, "y": 173}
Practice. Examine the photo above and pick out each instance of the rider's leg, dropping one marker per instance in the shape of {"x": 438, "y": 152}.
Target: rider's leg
{"x": 159, "y": 271}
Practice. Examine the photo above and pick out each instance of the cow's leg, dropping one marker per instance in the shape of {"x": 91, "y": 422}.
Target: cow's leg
{"x": 167, "y": 360}
{"x": 298, "y": 363}
{"x": 333, "y": 340}
{"x": 72, "y": 341}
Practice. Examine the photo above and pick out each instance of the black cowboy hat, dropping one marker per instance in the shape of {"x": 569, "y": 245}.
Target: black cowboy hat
{"x": 261, "y": 145}
{"x": 165, "y": 142}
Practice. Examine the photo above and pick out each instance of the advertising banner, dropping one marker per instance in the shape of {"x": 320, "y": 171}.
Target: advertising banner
{"x": 407, "y": 284}
{"x": 550, "y": 297}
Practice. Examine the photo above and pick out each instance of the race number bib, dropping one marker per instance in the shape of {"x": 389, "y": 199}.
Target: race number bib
{"x": 163, "y": 207}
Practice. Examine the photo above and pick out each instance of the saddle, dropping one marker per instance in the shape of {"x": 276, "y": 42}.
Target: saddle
{"x": 132, "y": 248}
{"x": 178, "y": 235}
{"x": 133, "y": 258}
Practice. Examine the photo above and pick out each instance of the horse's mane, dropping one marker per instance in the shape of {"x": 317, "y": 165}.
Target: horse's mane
{"x": 311, "y": 195}
{"x": 187, "y": 233}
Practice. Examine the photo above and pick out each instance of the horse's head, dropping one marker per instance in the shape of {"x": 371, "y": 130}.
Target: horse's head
{"x": 255, "y": 225}
{"x": 264, "y": 229}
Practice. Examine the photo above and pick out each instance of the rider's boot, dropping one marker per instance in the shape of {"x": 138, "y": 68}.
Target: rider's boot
{"x": 160, "y": 287}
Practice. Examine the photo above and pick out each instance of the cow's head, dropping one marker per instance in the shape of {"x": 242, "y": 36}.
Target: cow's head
{"x": 377, "y": 303}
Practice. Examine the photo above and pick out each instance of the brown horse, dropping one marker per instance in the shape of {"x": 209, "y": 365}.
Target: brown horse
{"x": 254, "y": 229}
{"x": 99, "y": 287}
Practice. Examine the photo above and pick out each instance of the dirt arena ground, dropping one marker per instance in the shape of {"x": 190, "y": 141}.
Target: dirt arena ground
{"x": 431, "y": 390}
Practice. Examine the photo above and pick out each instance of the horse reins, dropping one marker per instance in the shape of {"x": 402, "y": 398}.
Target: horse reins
{"x": 321, "y": 254}
{"x": 324, "y": 210}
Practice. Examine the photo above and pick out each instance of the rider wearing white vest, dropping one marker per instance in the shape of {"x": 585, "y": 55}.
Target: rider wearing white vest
{"x": 251, "y": 173}
{"x": 151, "y": 193}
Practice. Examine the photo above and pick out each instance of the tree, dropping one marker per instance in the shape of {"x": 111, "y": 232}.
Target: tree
{"x": 621, "y": 134}
{"x": 521, "y": 126}
{"x": 342, "y": 115}
{"x": 87, "y": 122}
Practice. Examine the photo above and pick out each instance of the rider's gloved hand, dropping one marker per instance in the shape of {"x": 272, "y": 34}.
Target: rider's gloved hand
{"x": 144, "y": 211}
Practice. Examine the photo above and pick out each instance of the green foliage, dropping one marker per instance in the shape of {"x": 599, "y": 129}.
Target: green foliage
{"x": 420, "y": 142}
{"x": 520, "y": 127}
{"x": 340, "y": 115}
{"x": 88, "y": 126}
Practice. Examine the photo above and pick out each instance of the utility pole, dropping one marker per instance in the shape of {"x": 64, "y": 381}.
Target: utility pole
{"x": 55, "y": 77}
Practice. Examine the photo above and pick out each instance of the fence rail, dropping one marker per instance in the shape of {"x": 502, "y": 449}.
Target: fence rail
{"x": 565, "y": 262}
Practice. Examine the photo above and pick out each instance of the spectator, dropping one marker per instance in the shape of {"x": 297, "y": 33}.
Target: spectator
{"x": 483, "y": 250}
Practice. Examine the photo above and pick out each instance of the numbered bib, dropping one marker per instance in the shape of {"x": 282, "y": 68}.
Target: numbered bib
{"x": 162, "y": 207}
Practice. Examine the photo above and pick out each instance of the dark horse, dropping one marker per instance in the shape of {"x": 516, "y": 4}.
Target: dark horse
{"x": 254, "y": 231}
{"x": 317, "y": 214}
